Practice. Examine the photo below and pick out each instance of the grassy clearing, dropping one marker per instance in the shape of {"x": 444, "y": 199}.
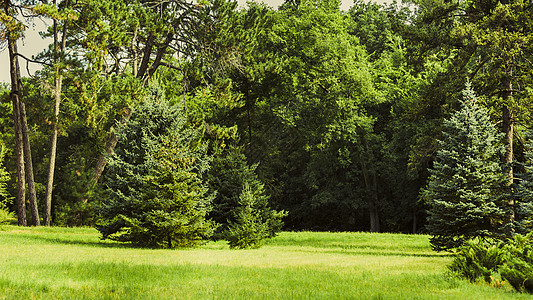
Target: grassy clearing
{"x": 65, "y": 263}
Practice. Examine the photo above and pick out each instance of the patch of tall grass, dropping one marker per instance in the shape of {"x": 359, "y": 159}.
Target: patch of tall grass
{"x": 73, "y": 263}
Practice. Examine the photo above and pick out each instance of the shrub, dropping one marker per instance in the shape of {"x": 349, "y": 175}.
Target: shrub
{"x": 512, "y": 261}
{"x": 518, "y": 267}
{"x": 5, "y": 216}
{"x": 4, "y": 178}
{"x": 477, "y": 259}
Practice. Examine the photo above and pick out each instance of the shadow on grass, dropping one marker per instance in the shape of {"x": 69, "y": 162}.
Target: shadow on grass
{"x": 370, "y": 251}
{"x": 67, "y": 241}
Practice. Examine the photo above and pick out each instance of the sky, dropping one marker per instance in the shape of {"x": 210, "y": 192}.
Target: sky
{"x": 32, "y": 44}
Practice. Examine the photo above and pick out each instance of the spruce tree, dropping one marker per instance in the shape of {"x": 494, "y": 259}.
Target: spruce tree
{"x": 466, "y": 190}
{"x": 249, "y": 228}
{"x": 155, "y": 193}
{"x": 524, "y": 192}
{"x": 229, "y": 175}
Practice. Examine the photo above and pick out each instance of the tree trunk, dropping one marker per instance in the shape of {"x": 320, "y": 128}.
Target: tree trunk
{"x": 53, "y": 139}
{"x": 53, "y": 150}
{"x": 414, "y": 222}
{"x": 372, "y": 202}
{"x": 19, "y": 152}
{"x": 15, "y": 98}
{"x": 28, "y": 166}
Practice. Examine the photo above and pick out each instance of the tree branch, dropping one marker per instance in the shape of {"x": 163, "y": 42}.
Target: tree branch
{"x": 34, "y": 61}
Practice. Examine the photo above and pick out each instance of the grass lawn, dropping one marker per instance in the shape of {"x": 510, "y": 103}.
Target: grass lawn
{"x": 73, "y": 263}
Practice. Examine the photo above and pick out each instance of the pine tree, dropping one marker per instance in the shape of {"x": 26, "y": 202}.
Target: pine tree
{"x": 466, "y": 189}
{"x": 155, "y": 193}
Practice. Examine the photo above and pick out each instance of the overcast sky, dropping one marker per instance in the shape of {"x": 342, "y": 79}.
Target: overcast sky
{"x": 33, "y": 43}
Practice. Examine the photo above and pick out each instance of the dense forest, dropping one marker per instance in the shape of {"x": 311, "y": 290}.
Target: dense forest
{"x": 304, "y": 117}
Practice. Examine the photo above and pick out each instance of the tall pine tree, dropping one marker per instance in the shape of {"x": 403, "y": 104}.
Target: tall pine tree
{"x": 466, "y": 190}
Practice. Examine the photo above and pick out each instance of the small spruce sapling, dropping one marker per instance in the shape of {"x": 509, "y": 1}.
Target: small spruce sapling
{"x": 249, "y": 229}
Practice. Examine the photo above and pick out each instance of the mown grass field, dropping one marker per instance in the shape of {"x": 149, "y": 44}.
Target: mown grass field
{"x": 73, "y": 263}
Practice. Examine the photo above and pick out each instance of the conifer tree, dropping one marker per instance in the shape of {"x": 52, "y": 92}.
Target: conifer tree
{"x": 232, "y": 178}
{"x": 249, "y": 228}
{"x": 523, "y": 193}
{"x": 155, "y": 194}
{"x": 466, "y": 189}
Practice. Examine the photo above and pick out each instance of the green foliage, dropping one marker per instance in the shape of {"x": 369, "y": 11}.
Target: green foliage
{"x": 249, "y": 229}
{"x": 155, "y": 195}
{"x": 465, "y": 193}
{"x": 228, "y": 175}
{"x": 523, "y": 193}
{"x": 478, "y": 259}
{"x": 518, "y": 267}
{"x": 5, "y": 198}
{"x": 512, "y": 261}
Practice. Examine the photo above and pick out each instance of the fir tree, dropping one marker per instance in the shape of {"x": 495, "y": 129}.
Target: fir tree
{"x": 466, "y": 189}
{"x": 155, "y": 192}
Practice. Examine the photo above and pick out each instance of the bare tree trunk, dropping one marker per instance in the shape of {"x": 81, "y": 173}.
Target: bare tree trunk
{"x": 53, "y": 139}
{"x": 53, "y": 150}
{"x": 15, "y": 98}
{"x": 19, "y": 152}
{"x": 372, "y": 192}
{"x": 28, "y": 165}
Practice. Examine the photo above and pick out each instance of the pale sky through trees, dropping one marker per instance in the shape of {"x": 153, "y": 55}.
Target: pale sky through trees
{"x": 33, "y": 43}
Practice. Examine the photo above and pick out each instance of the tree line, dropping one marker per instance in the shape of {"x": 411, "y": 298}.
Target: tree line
{"x": 223, "y": 121}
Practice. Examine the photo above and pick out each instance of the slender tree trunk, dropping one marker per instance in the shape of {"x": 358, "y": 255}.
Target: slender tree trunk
{"x": 374, "y": 213}
{"x": 53, "y": 139}
{"x": 21, "y": 177}
{"x": 372, "y": 205}
{"x": 53, "y": 150}
{"x": 19, "y": 152}
{"x": 28, "y": 166}
{"x": 15, "y": 98}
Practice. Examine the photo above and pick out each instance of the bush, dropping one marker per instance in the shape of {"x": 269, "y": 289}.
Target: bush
{"x": 477, "y": 259}
{"x": 518, "y": 267}
{"x": 5, "y": 199}
{"x": 5, "y": 216}
{"x": 512, "y": 261}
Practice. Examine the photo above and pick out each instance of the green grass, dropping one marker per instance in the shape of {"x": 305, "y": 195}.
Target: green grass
{"x": 66, "y": 263}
